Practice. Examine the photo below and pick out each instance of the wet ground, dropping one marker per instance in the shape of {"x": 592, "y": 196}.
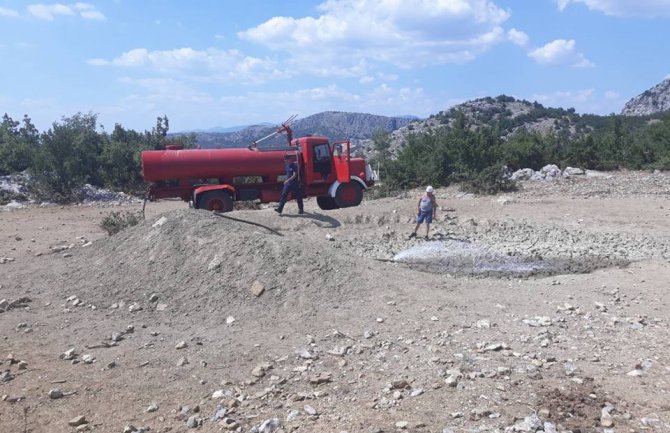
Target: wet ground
{"x": 463, "y": 257}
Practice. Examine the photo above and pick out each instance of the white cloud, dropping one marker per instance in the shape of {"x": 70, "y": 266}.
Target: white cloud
{"x": 210, "y": 64}
{"x": 565, "y": 98}
{"x": 518, "y": 37}
{"x": 93, "y": 15}
{"x": 404, "y": 33}
{"x": 560, "y": 52}
{"x": 50, "y": 12}
{"x": 6, "y": 12}
{"x": 622, "y": 8}
{"x": 584, "y": 101}
{"x": 160, "y": 88}
{"x": 383, "y": 100}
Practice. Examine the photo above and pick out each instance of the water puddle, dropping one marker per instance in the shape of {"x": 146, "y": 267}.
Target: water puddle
{"x": 470, "y": 258}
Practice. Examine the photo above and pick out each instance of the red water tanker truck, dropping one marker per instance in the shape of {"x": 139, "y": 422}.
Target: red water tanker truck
{"x": 214, "y": 179}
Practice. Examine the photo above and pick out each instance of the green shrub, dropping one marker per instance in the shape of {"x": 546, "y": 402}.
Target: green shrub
{"x": 382, "y": 191}
{"x": 117, "y": 221}
{"x": 491, "y": 180}
{"x": 8, "y": 196}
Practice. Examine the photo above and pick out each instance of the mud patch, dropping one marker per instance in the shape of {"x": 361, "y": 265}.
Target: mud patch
{"x": 580, "y": 408}
{"x": 461, "y": 257}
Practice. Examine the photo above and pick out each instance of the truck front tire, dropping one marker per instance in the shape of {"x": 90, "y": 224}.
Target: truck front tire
{"x": 349, "y": 194}
{"x": 220, "y": 201}
{"x": 326, "y": 203}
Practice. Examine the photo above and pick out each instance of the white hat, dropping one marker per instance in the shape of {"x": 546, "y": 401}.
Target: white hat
{"x": 429, "y": 189}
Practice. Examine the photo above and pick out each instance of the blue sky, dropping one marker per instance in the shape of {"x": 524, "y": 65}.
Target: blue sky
{"x": 222, "y": 63}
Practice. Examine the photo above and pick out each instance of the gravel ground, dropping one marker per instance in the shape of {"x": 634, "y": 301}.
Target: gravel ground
{"x": 337, "y": 322}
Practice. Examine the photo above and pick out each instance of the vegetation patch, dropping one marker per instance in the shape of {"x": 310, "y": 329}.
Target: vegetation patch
{"x": 117, "y": 221}
{"x": 491, "y": 180}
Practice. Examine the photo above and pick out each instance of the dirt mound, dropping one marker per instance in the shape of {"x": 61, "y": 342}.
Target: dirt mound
{"x": 191, "y": 260}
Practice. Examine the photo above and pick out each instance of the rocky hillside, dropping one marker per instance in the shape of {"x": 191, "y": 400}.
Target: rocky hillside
{"x": 652, "y": 101}
{"x": 505, "y": 112}
{"x": 332, "y": 124}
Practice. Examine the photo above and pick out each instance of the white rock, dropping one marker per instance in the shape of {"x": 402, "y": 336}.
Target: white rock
{"x": 483, "y": 324}
{"x": 269, "y": 425}
{"x": 160, "y": 222}
{"x": 304, "y": 354}
{"x": 68, "y": 354}
{"x": 55, "y": 393}
{"x": 572, "y": 171}
{"x": 292, "y": 414}
{"x": 309, "y": 410}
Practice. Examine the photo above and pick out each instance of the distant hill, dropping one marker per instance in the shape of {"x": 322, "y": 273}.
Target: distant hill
{"x": 223, "y": 129}
{"x": 506, "y": 113}
{"x": 335, "y": 125}
{"x": 653, "y": 101}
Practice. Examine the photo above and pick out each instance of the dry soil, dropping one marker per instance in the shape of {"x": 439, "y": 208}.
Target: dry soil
{"x": 542, "y": 309}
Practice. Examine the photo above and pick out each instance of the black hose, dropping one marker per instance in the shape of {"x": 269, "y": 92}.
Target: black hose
{"x": 275, "y": 232}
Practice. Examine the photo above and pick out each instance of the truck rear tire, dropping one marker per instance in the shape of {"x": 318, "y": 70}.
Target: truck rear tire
{"x": 220, "y": 201}
{"x": 349, "y": 194}
{"x": 326, "y": 203}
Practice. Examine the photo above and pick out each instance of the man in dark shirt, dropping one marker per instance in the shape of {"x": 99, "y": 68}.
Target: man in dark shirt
{"x": 291, "y": 185}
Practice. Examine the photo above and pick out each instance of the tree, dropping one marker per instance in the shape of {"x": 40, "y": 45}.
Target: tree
{"x": 120, "y": 160}
{"x": 68, "y": 157}
{"x": 17, "y": 144}
{"x": 157, "y": 135}
{"x": 382, "y": 151}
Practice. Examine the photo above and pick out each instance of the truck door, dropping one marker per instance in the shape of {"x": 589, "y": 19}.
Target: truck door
{"x": 341, "y": 159}
{"x": 321, "y": 167}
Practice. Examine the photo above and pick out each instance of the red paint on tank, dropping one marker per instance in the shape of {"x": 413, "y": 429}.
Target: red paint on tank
{"x": 160, "y": 165}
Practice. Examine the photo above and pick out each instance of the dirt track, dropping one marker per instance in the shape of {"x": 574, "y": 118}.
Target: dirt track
{"x": 343, "y": 338}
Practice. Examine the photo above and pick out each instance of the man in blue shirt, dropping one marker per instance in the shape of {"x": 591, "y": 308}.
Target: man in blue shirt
{"x": 425, "y": 211}
{"x": 291, "y": 185}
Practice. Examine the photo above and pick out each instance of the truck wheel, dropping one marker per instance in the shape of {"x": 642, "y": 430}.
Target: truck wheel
{"x": 349, "y": 194}
{"x": 220, "y": 201}
{"x": 326, "y": 203}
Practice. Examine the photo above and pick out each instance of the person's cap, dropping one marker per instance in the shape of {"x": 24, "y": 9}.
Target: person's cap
{"x": 429, "y": 189}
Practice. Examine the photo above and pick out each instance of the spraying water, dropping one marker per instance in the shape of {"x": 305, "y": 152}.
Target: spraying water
{"x": 467, "y": 257}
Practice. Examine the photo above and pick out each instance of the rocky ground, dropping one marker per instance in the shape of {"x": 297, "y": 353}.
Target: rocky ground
{"x": 543, "y": 310}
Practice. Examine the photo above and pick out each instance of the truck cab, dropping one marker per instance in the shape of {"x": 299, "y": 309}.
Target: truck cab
{"x": 331, "y": 174}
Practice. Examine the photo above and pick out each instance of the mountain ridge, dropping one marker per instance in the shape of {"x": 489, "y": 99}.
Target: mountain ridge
{"x": 332, "y": 124}
{"x": 652, "y": 101}
{"x": 508, "y": 114}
